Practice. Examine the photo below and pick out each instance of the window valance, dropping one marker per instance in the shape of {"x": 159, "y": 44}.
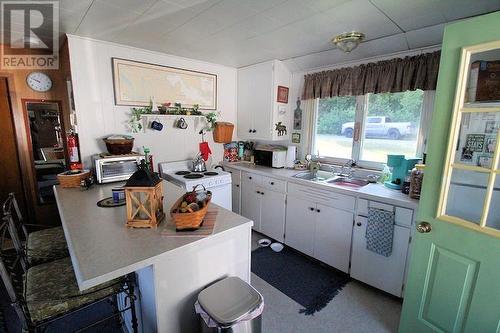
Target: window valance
{"x": 394, "y": 75}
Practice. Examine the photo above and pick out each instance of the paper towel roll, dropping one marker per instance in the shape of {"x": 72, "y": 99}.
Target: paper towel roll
{"x": 291, "y": 155}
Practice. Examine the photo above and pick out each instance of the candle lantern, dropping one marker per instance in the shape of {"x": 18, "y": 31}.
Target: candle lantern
{"x": 144, "y": 198}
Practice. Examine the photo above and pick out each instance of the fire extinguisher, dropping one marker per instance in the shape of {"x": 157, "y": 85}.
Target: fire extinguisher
{"x": 73, "y": 151}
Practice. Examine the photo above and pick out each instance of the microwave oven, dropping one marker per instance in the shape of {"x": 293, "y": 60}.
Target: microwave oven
{"x": 273, "y": 158}
{"x": 114, "y": 168}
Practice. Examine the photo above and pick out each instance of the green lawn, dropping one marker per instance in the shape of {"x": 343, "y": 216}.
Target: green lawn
{"x": 373, "y": 149}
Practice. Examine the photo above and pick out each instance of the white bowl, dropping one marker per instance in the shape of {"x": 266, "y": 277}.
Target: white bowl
{"x": 277, "y": 247}
{"x": 264, "y": 242}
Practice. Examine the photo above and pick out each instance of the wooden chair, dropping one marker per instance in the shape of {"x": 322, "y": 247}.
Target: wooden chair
{"x": 48, "y": 292}
{"x": 35, "y": 247}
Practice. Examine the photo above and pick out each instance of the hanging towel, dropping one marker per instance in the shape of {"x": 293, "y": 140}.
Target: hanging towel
{"x": 380, "y": 231}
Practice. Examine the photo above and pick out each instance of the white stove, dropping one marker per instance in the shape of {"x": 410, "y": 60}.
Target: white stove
{"x": 216, "y": 180}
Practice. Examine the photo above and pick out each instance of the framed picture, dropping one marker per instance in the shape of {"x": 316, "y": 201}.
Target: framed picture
{"x": 282, "y": 94}
{"x": 295, "y": 137}
{"x": 490, "y": 144}
{"x": 475, "y": 142}
{"x": 137, "y": 83}
{"x": 491, "y": 127}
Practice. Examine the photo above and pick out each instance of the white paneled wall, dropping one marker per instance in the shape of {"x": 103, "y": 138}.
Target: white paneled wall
{"x": 98, "y": 116}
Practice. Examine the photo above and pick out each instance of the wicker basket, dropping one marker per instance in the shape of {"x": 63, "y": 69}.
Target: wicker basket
{"x": 72, "y": 178}
{"x": 223, "y": 132}
{"x": 189, "y": 220}
{"x": 119, "y": 146}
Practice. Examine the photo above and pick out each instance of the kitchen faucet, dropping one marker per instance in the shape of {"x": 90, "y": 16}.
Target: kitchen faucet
{"x": 346, "y": 169}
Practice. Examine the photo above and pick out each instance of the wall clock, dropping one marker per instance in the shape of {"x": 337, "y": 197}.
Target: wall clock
{"x": 39, "y": 81}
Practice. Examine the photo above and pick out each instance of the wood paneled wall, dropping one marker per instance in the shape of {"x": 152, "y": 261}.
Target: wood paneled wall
{"x": 18, "y": 90}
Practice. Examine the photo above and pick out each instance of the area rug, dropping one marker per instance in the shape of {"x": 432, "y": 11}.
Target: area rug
{"x": 304, "y": 280}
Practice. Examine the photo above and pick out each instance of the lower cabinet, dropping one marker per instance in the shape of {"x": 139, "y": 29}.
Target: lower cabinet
{"x": 272, "y": 214}
{"x": 332, "y": 236}
{"x": 266, "y": 208}
{"x": 320, "y": 231}
{"x": 251, "y": 199}
{"x": 300, "y": 216}
{"x": 236, "y": 196}
{"x": 385, "y": 273}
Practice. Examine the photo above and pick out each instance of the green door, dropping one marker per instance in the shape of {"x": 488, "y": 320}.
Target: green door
{"x": 454, "y": 276}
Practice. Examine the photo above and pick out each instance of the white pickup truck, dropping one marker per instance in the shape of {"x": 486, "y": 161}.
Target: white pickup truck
{"x": 381, "y": 127}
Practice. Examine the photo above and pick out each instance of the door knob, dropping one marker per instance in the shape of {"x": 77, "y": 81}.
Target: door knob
{"x": 424, "y": 227}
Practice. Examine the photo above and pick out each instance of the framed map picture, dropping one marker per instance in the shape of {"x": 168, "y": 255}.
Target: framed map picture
{"x": 137, "y": 83}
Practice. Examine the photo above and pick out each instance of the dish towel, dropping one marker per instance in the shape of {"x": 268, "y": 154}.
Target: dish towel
{"x": 380, "y": 231}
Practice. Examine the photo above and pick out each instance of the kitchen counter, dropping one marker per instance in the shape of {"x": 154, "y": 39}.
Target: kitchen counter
{"x": 370, "y": 191}
{"x": 171, "y": 269}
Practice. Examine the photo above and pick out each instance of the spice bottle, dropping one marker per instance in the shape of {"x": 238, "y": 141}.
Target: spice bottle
{"x": 416, "y": 179}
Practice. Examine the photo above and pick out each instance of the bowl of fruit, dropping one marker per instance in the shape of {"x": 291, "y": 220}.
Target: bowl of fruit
{"x": 189, "y": 210}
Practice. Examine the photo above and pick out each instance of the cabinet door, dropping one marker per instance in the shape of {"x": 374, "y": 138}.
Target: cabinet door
{"x": 255, "y": 91}
{"x": 250, "y": 203}
{"x": 386, "y": 273}
{"x": 272, "y": 218}
{"x": 332, "y": 237}
{"x": 236, "y": 196}
{"x": 299, "y": 227}
{"x": 245, "y": 96}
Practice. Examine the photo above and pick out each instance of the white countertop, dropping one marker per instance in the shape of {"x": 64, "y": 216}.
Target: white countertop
{"x": 102, "y": 248}
{"x": 376, "y": 192}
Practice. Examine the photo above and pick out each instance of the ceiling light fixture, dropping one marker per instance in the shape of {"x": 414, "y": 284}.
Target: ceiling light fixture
{"x": 348, "y": 41}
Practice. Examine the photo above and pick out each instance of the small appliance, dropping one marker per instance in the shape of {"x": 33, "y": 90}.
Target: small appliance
{"x": 291, "y": 155}
{"x": 399, "y": 166}
{"x": 270, "y": 156}
{"x": 181, "y": 179}
{"x": 109, "y": 168}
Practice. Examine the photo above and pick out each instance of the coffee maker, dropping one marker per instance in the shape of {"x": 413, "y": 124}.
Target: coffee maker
{"x": 399, "y": 166}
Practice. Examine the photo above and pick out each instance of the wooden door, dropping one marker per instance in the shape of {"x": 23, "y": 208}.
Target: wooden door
{"x": 454, "y": 277}
{"x": 300, "y": 224}
{"x": 332, "y": 236}
{"x": 272, "y": 219}
{"x": 11, "y": 179}
{"x": 250, "y": 203}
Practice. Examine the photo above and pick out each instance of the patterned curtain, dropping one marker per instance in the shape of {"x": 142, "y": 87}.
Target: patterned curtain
{"x": 394, "y": 75}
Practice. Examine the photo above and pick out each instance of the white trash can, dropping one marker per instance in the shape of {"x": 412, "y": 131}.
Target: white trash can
{"x": 230, "y": 306}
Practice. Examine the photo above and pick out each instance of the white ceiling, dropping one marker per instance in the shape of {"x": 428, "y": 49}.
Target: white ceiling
{"x": 243, "y": 32}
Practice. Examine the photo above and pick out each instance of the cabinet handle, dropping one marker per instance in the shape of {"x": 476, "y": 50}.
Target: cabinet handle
{"x": 250, "y": 131}
{"x": 254, "y": 131}
{"x": 258, "y": 192}
{"x": 359, "y": 224}
{"x": 237, "y": 185}
{"x": 249, "y": 177}
{"x": 272, "y": 183}
{"x": 311, "y": 209}
{"x": 318, "y": 210}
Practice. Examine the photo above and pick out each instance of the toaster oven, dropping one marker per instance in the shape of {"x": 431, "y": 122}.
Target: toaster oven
{"x": 114, "y": 168}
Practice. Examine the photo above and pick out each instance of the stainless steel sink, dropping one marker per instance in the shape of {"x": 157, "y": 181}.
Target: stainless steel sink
{"x": 350, "y": 182}
{"x": 319, "y": 176}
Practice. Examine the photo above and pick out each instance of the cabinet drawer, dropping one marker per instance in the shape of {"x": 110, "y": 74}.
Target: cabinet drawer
{"x": 251, "y": 177}
{"x": 402, "y": 216}
{"x": 274, "y": 184}
{"x": 328, "y": 198}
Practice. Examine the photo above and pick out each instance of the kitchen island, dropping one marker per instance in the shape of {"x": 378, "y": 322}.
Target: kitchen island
{"x": 171, "y": 270}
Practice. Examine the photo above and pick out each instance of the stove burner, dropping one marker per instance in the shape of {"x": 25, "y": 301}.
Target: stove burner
{"x": 211, "y": 173}
{"x": 193, "y": 176}
{"x": 182, "y": 173}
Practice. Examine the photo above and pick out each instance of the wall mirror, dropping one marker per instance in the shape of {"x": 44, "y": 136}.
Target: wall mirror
{"x": 470, "y": 193}
{"x": 47, "y": 145}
